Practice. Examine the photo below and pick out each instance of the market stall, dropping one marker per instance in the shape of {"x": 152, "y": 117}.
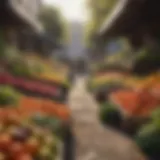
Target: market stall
{"x": 35, "y": 119}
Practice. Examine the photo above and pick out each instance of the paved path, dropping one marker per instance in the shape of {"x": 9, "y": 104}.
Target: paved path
{"x": 93, "y": 141}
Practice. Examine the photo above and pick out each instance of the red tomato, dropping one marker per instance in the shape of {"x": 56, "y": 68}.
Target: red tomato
{"x": 16, "y": 149}
{"x": 23, "y": 156}
{"x": 5, "y": 141}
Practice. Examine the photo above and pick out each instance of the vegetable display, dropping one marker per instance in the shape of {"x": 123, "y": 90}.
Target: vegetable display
{"x": 8, "y": 96}
{"x": 33, "y": 119}
{"x": 131, "y": 104}
{"x": 27, "y": 141}
{"x": 31, "y": 128}
{"x": 29, "y": 85}
{"x": 38, "y": 68}
{"x": 135, "y": 103}
{"x": 110, "y": 115}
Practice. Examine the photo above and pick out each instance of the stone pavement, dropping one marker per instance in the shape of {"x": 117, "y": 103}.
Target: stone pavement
{"x": 93, "y": 141}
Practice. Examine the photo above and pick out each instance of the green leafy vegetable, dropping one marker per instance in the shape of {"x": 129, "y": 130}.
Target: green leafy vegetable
{"x": 110, "y": 115}
{"x": 8, "y": 96}
{"x": 148, "y": 139}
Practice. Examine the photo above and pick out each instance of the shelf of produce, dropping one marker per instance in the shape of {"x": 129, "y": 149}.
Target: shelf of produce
{"x": 34, "y": 88}
{"x": 131, "y": 103}
{"x": 40, "y": 79}
{"x": 24, "y": 136}
{"x": 38, "y": 115}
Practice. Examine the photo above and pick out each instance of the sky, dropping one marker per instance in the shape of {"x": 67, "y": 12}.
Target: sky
{"x": 71, "y": 9}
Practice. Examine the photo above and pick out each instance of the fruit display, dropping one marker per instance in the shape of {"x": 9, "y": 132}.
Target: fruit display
{"x": 33, "y": 67}
{"x": 101, "y": 85}
{"x": 27, "y": 141}
{"x": 48, "y": 70}
{"x": 133, "y": 108}
{"x": 136, "y": 100}
{"x": 33, "y": 119}
{"x": 34, "y": 75}
{"x": 11, "y": 100}
{"x": 22, "y": 67}
{"x": 103, "y": 79}
{"x": 54, "y": 77}
{"x": 43, "y": 106}
{"x": 134, "y": 97}
{"x": 134, "y": 103}
{"x": 102, "y": 93}
{"x": 29, "y": 85}
{"x": 33, "y": 129}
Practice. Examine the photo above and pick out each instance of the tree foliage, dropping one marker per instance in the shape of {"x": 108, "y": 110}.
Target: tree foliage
{"x": 54, "y": 23}
{"x": 98, "y": 10}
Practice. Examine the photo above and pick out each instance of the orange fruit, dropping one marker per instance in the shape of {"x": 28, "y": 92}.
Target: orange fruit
{"x": 5, "y": 141}
{"x": 32, "y": 145}
{"x": 24, "y": 156}
{"x": 13, "y": 117}
{"x": 16, "y": 149}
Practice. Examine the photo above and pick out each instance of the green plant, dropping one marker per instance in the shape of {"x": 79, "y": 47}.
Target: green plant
{"x": 148, "y": 139}
{"x": 110, "y": 115}
{"x": 52, "y": 123}
{"x": 55, "y": 125}
{"x": 8, "y": 96}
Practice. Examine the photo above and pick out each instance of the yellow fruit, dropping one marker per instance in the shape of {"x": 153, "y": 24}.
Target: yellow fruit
{"x": 32, "y": 145}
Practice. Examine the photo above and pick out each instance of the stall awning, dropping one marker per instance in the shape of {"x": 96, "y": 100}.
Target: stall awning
{"x": 124, "y": 18}
{"x": 23, "y": 15}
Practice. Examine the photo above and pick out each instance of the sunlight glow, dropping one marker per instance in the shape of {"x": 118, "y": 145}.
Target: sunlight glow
{"x": 71, "y": 9}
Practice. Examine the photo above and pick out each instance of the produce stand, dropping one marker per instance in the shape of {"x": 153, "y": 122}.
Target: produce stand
{"x": 28, "y": 87}
{"x": 66, "y": 144}
{"x": 137, "y": 118}
{"x": 127, "y": 106}
{"x": 27, "y": 96}
{"x": 130, "y": 124}
{"x": 101, "y": 84}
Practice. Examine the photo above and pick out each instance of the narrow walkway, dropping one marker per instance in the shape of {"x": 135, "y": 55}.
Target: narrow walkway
{"x": 93, "y": 141}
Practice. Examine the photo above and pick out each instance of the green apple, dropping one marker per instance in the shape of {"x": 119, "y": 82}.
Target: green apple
{"x": 45, "y": 152}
